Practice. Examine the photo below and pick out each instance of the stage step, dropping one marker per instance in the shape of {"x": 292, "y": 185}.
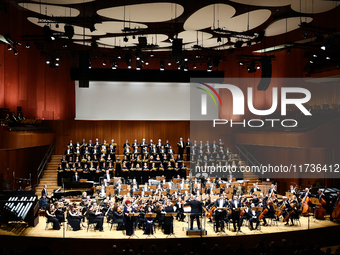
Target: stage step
{"x": 195, "y": 232}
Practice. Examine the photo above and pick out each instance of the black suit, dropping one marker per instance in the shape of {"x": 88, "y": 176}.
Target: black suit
{"x": 253, "y": 217}
{"x": 252, "y": 190}
{"x": 168, "y": 221}
{"x": 235, "y": 214}
{"x": 75, "y": 178}
{"x": 196, "y": 211}
{"x": 220, "y": 214}
{"x": 44, "y": 192}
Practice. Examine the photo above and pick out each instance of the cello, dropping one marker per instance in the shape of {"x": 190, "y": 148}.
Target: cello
{"x": 320, "y": 210}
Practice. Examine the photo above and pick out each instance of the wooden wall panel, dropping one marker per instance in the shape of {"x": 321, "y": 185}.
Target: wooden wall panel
{"x": 21, "y": 162}
{"x": 17, "y": 140}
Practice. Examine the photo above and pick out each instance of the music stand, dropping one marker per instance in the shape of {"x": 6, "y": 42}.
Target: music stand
{"x": 289, "y": 195}
{"x": 172, "y": 214}
{"x": 229, "y": 196}
{"x": 177, "y": 181}
{"x": 150, "y": 215}
{"x": 133, "y": 229}
{"x": 229, "y": 190}
{"x": 137, "y": 193}
{"x": 221, "y": 209}
{"x": 149, "y": 193}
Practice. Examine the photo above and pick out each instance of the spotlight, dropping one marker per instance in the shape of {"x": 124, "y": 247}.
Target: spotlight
{"x": 113, "y": 66}
{"x": 146, "y": 62}
{"x": 133, "y": 37}
{"x": 311, "y": 61}
{"x": 248, "y": 43}
{"x": 323, "y": 47}
{"x": 138, "y": 65}
{"x": 151, "y": 54}
{"x": 305, "y": 35}
{"x": 251, "y": 67}
{"x": 238, "y": 44}
{"x": 162, "y": 67}
{"x": 315, "y": 56}
{"x": 219, "y": 39}
{"x": 27, "y": 45}
{"x": 64, "y": 45}
{"x": 194, "y": 66}
{"x": 15, "y": 52}
{"x": 48, "y": 33}
{"x": 126, "y": 39}
{"x": 179, "y": 66}
{"x": 240, "y": 63}
{"x": 48, "y": 62}
{"x": 57, "y": 25}
{"x": 90, "y": 64}
{"x": 92, "y": 28}
{"x": 258, "y": 67}
{"x": 119, "y": 57}
{"x": 9, "y": 47}
{"x": 104, "y": 63}
{"x": 52, "y": 38}
{"x": 209, "y": 69}
{"x": 198, "y": 55}
{"x": 328, "y": 58}
{"x": 169, "y": 63}
{"x": 57, "y": 59}
{"x": 128, "y": 59}
{"x": 185, "y": 58}
{"x": 69, "y": 31}
{"x": 289, "y": 51}
{"x": 171, "y": 38}
{"x": 186, "y": 67}
{"x": 57, "y": 64}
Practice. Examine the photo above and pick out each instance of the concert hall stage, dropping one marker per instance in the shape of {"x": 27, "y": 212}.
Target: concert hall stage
{"x": 323, "y": 232}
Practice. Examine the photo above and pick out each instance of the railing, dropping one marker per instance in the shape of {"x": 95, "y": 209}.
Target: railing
{"x": 244, "y": 153}
{"x": 44, "y": 161}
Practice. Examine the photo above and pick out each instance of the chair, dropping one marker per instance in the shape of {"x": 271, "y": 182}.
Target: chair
{"x": 47, "y": 222}
{"x": 90, "y": 223}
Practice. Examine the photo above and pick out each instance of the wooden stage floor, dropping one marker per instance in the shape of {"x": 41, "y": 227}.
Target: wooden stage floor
{"x": 82, "y": 242}
{"x": 39, "y": 230}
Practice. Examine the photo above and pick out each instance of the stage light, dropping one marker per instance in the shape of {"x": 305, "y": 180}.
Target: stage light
{"x": 48, "y": 62}
{"x": 315, "y": 56}
{"x": 219, "y": 39}
{"x": 133, "y": 37}
{"x": 209, "y": 69}
{"x": 57, "y": 25}
{"x": 186, "y": 67}
{"x": 311, "y": 61}
{"x": 198, "y": 55}
{"x": 185, "y": 58}
{"x": 162, "y": 67}
{"x": 113, "y": 66}
{"x": 289, "y": 51}
{"x": 90, "y": 66}
{"x": 15, "y": 52}
{"x": 248, "y": 43}
{"x": 57, "y": 64}
{"x": 146, "y": 62}
{"x": 238, "y": 44}
{"x": 64, "y": 45}
{"x": 305, "y": 35}
{"x": 9, "y": 47}
{"x": 139, "y": 65}
{"x": 179, "y": 66}
{"x": 323, "y": 47}
{"x": 240, "y": 63}
{"x": 119, "y": 57}
{"x": 92, "y": 28}
{"x": 328, "y": 58}
{"x": 258, "y": 67}
{"x": 251, "y": 67}
{"x": 126, "y": 39}
{"x": 194, "y": 66}
{"x": 151, "y": 54}
{"x": 27, "y": 45}
{"x": 69, "y": 31}
{"x": 169, "y": 63}
{"x": 104, "y": 63}
{"x": 57, "y": 59}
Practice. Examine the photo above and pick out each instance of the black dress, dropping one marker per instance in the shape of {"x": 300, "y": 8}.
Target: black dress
{"x": 74, "y": 221}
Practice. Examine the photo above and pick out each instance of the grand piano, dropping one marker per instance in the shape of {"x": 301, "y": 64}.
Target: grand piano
{"x": 73, "y": 189}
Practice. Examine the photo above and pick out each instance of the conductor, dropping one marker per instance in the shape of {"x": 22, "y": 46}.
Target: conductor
{"x": 196, "y": 210}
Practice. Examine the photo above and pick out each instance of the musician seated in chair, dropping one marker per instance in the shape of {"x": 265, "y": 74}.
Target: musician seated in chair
{"x": 293, "y": 213}
{"x": 270, "y": 213}
{"x": 43, "y": 202}
{"x": 253, "y": 217}
{"x": 95, "y": 216}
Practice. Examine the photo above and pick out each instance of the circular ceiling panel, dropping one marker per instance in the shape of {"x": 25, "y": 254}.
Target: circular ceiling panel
{"x": 77, "y": 30}
{"x": 192, "y": 36}
{"x": 269, "y": 3}
{"x": 150, "y": 12}
{"x": 63, "y": 2}
{"x": 204, "y": 17}
{"x": 279, "y": 27}
{"x": 240, "y": 22}
{"x": 50, "y": 10}
{"x": 313, "y": 6}
{"x": 115, "y": 27}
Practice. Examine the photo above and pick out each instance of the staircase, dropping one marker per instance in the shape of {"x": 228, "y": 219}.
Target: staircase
{"x": 50, "y": 177}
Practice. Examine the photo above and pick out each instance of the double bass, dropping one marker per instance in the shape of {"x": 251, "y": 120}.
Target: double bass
{"x": 320, "y": 210}
{"x": 336, "y": 210}
{"x": 304, "y": 204}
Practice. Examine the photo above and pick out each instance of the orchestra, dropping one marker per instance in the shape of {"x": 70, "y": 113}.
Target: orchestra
{"x": 152, "y": 179}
